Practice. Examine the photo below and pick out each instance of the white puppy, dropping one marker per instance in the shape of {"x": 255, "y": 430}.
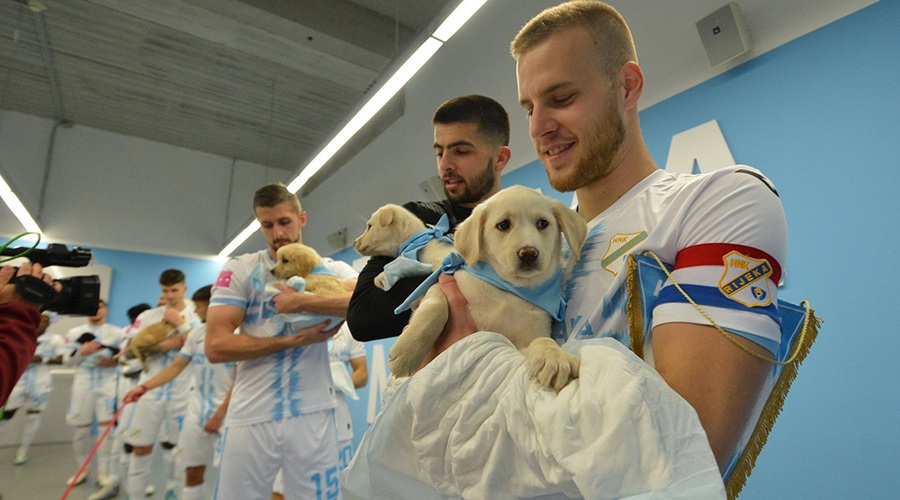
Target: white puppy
{"x": 388, "y": 229}
{"x": 517, "y": 232}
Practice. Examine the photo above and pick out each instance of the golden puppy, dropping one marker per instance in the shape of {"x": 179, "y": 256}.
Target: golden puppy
{"x": 297, "y": 259}
{"x": 388, "y": 228}
{"x": 518, "y": 232}
{"x": 143, "y": 344}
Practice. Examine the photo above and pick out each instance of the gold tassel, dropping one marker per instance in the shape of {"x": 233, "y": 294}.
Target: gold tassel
{"x": 771, "y": 409}
{"x": 634, "y": 310}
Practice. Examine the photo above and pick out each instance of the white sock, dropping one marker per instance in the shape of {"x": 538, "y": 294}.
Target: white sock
{"x": 81, "y": 444}
{"x": 103, "y": 451}
{"x": 138, "y": 475}
{"x": 115, "y": 455}
{"x": 172, "y": 483}
{"x": 192, "y": 492}
{"x": 32, "y": 422}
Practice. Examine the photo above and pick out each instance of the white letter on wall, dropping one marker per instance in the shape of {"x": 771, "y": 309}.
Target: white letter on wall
{"x": 704, "y": 144}
{"x": 377, "y": 378}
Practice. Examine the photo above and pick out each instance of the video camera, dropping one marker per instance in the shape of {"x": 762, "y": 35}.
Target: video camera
{"x": 79, "y": 294}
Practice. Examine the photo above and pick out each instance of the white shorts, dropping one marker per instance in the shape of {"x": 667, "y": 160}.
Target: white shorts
{"x": 195, "y": 445}
{"x": 87, "y": 403}
{"x": 305, "y": 447}
{"x": 32, "y": 401}
{"x": 151, "y": 419}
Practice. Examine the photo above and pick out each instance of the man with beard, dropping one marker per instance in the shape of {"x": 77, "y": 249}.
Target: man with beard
{"x": 579, "y": 82}
{"x": 471, "y": 144}
{"x": 281, "y": 412}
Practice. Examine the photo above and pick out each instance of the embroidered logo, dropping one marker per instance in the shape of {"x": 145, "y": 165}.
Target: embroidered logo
{"x": 224, "y": 279}
{"x": 746, "y": 280}
{"x": 619, "y": 245}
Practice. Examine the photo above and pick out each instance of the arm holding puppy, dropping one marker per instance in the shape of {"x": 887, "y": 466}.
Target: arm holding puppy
{"x": 290, "y": 301}
{"x": 223, "y": 345}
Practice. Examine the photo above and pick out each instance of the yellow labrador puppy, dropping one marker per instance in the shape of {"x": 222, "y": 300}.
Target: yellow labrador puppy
{"x": 297, "y": 259}
{"x": 388, "y": 229}
{"x": 518, "y": 233}
{"x": 143, "y": 344}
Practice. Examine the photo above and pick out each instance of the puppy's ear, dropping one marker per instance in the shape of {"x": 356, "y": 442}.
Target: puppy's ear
{"x": 305, "y": 259}
{"x": 573, "y": 227}
{"x": 467, "y": 238}
{"x": 385, "y": 215}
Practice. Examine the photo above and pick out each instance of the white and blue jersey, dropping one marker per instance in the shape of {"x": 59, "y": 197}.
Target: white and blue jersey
{"x": 87, "y": 373}
{"x": 211, "y": 381}
{"x": 724, "y": 232}
{"x": 284, "y": 384}
{"x": 176, "y": 389}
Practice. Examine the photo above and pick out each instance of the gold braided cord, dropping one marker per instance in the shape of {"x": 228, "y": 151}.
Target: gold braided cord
{"x": 634, "y": 310}
{"x": 800, "y": 341}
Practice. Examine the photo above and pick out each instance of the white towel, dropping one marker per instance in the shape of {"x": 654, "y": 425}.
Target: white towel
{"x": 471, "y": 425}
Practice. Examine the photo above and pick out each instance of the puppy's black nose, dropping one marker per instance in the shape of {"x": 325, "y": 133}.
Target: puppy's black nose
{"x": 528, "y": 255}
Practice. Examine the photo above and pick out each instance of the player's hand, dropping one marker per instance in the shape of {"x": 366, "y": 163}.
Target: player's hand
{"x": 173, "y": 317}
{"x": 214, "y": 423}
{"x": 289, "y": 301}
{"x": 8, "y": 291}
{"x": 459, "y": 322}
{"x": 106, "y": 362}
{"x": 135, "y": 394}
{"x": 313, "y": 335}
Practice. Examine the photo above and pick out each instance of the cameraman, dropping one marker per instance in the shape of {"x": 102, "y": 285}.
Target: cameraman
{"x": 19, "y": 322}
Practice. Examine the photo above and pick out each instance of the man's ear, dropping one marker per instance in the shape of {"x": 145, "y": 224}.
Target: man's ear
{"x": 504, "y": 153}
{"x": 631, "y": 79}
{"x": 302, "y": 219}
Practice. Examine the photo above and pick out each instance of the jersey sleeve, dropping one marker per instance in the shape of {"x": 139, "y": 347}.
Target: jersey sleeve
{"x": 231, "y": 286}
{"x": 731, "y": 249}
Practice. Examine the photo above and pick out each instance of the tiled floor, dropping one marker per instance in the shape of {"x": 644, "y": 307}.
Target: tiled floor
{"x": 43, "y": 477}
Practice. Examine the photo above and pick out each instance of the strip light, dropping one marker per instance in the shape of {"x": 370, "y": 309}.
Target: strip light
{"x": 413, "y": 64}
{"x": 18, "y": 209}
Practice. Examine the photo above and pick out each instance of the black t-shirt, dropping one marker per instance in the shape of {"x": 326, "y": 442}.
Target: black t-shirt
{"x": 371, "y": 312}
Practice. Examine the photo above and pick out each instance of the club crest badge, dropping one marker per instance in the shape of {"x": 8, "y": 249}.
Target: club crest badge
{"x": 619, "y": 246}
{"x": 746, "y": 280}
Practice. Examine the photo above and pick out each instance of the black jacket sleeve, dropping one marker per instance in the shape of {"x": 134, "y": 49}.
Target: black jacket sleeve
{"x": 371, "y": 312}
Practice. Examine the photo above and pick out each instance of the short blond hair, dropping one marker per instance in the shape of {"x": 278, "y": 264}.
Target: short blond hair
{"x": 608, "y": 29}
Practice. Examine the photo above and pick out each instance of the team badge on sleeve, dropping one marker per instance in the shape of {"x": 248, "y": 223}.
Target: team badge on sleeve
{"x": 224, "y": 279}
{"x": 746, "y": 280}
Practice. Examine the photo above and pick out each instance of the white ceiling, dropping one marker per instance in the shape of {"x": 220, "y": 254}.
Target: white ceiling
{"x": 268, "y": 81}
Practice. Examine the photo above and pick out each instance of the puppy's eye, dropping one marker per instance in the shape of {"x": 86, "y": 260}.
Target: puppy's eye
{"x": 503, "y": 225}
{"x": 542, "y": 224}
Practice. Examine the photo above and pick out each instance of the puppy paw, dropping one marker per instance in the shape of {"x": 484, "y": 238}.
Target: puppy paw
{"x": 550, "y": 365}
{"x": 405, "y": 357}
{"x": 403, "y": 365}
{"x": 379, "y": 281}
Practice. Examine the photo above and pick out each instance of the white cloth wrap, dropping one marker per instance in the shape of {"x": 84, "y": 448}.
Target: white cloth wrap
{"x": 471, "y": 425}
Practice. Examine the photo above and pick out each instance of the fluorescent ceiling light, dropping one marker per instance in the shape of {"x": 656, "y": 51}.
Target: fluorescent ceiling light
{"x": 18, "y": 209}
{"x": 240, "y": 238}
{"x": 457, "y": 19}
{"x": 384, "y": 94}
{"x": 429, "y": 47}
